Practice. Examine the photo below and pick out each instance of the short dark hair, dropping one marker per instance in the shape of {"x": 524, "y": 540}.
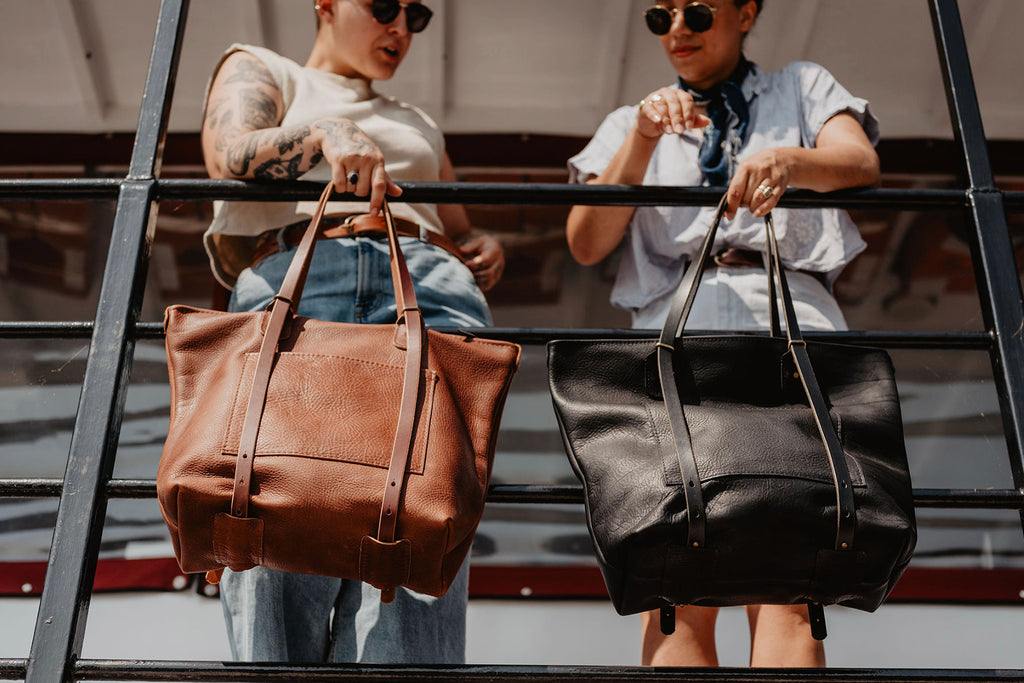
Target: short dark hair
{"x": 759, "y": 3}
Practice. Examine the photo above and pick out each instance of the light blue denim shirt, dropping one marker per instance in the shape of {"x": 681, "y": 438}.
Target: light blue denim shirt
{"x": 787, "y": 109}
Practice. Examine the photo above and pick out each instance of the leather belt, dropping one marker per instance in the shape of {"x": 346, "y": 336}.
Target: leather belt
{"x": 731, "y": 257}
{"x": 361, "y": 225}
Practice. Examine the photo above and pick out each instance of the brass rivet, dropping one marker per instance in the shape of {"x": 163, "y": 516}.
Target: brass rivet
{"x": 845, "y": 546}
{"x": 796, "y": 375}
{"x": 696, "y": 544}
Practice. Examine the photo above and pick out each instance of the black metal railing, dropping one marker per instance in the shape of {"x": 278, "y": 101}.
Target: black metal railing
{"x": 87, "y": 485}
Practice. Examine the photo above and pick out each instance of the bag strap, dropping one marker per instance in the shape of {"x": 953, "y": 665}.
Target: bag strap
{"x": 409, "y": 313}
{"x": 819, "y": 407}
{"x": 284, "y": 305}
{"x": 678, "y": 313}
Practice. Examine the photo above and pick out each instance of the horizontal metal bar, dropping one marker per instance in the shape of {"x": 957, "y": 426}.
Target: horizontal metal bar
{"x": 992, "y": 499}
{"x": 141, "y": 670}
{"x": 545, "y": 194}
{"x": 46, "y": 330}
{"x": 989, "y": 499}
{"x": 13, "y": 669}
{"x": 906, "y": 340}
{"x": 526, "y": 194}
{"x": 102, "y": 189}
{"x": 37, "y": 488}
{"x": 537, "y": 336}
{"x": 60, "y": 189}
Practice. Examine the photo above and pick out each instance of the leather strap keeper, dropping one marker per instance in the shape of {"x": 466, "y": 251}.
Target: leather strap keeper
{"x": 238, "y": 541}
{"x": 391, "y": 560}
{"x": 362, "y": 225}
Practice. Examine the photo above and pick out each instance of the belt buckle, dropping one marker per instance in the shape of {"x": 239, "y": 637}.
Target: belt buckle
{"x": 349, "y": 225}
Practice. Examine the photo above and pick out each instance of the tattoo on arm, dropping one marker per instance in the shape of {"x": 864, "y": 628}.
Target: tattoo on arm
{"x": 243, "y": 154}
{"x": 279, "y": 168}
{"x": 257, "y": 109}
{"x": 251, "y": 70}
{"x": 244, "y": 104}
{"x": 344, "y": 131}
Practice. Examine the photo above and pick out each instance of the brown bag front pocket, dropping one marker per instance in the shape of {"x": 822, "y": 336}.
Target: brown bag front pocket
{"x": 307, "y": 416}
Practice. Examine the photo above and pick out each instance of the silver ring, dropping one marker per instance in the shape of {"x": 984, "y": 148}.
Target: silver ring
{"x": 656, "y": 98}
{"x": 353, "y": 178}
{"x": 766, "y": 190}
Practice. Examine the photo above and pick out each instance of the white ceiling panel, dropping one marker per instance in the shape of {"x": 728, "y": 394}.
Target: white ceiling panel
{"x": 501, "y": 66}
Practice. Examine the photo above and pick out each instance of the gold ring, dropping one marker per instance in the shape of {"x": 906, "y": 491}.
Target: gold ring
{"x": 643, "y": 102}
{"x": 766, "y": 190}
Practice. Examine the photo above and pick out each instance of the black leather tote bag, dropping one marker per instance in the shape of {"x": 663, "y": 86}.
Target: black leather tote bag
{"x": 737, "y": 468}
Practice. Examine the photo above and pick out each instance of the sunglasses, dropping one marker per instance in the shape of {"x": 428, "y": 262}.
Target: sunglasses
{"x": 417, "y": 15}
{"x": 697, "y": 16}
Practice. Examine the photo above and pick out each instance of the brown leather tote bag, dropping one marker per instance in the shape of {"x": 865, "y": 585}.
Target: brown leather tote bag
{"x": 340, "y": 449}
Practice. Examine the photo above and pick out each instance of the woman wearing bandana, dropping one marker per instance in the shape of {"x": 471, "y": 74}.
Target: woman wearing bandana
{"x": 270, "y": 118}
{"x": 725, "y": 122}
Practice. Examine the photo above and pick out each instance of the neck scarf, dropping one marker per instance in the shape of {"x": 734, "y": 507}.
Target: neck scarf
{"x": 720, "y": 101}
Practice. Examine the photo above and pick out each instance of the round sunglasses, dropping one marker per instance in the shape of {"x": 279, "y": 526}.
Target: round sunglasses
{"x": 417, "y": 15}
{"x": 697, "y": 16}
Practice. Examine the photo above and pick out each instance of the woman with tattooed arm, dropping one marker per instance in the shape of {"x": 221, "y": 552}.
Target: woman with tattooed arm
{"x": 269, "y": 118}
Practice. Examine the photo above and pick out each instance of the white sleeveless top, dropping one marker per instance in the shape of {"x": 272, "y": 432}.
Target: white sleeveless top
{"x": 412, "y": 145}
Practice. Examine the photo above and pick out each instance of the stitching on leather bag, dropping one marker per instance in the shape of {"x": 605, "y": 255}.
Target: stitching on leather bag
{"x": 226, "y": 446}
{"x": 667, "y": 472}
{"x": 423, "y": 423}
{"x": 298, "y": 354}
{"x": 857, "y": 478}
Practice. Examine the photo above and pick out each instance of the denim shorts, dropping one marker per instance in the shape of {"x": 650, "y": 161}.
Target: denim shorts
{"x": 277, "y": 616}
{"x": 349, "y": 280}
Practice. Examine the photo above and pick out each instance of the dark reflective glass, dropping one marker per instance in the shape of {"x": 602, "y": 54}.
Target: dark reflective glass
{"x": 697, "y": 16}
{"x": 417, "y": 15}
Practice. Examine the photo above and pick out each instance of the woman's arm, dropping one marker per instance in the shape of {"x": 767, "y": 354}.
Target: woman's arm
{"x": 842, "y": 157}
{"x": 593, "y": 232}
{"x": 484, "y": 254}
{"x": 242, "y": 136}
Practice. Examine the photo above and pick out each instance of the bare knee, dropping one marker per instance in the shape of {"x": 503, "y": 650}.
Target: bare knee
{"x": 692, "y": 643}
{"x": 781, "y": 637}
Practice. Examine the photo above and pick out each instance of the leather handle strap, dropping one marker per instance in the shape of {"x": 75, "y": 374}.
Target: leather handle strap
{"x": 819, "y": 407}
{"x": 678, "y": 313}
{"x": 285, "y": 304}
{"x": 282, "y": 308}
{"x": 409, "y": 314}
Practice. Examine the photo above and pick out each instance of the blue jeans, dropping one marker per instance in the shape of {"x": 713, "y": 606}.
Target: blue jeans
{"x": 277, "y": 616}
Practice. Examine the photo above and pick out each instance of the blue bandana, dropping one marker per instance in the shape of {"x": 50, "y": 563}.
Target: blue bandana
{"x": 720, "y": 101}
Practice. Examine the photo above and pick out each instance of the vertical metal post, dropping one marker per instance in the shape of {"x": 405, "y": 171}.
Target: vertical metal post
{"x": 1002, "y": 303}
{"x": 60, "y": 623}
